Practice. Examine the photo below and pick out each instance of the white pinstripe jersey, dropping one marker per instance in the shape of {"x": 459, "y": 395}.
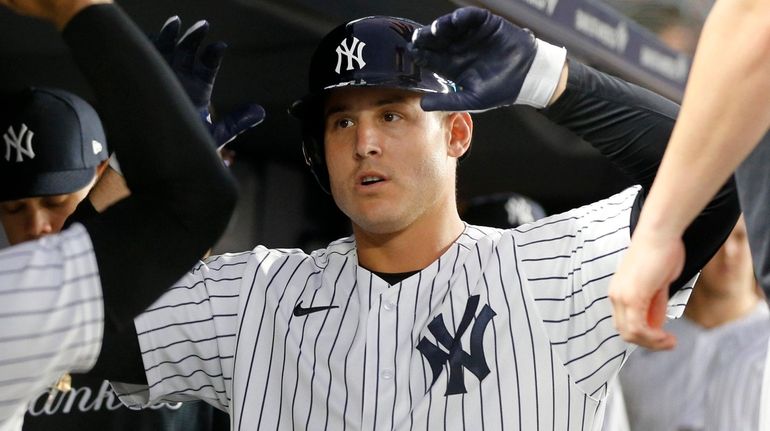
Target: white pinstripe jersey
{"x": 51, "y": 316}
{"x": 506, "y": 330}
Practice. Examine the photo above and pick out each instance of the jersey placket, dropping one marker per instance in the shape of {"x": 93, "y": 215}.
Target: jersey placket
{"x": 397, "y": 378}
{"x": 379, "y": 372}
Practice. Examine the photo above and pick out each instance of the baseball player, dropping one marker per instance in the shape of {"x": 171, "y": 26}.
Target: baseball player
{"x": 62, "y": 293}
{"x": 419, "y": 320}
{"x": 725, "y": 113}
{"x": 70, "y": 155}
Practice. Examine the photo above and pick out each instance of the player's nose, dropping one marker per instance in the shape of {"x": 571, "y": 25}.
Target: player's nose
{"x": 368, "y": 142}
{"x": 39, "y": 225}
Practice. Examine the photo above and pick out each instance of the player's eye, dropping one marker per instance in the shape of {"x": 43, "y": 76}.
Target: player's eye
{"x": 55, "y": 201}
{"x": 391, "y": 116}
{"x": 344, "y": 123}
{"x": 11, "y": 207}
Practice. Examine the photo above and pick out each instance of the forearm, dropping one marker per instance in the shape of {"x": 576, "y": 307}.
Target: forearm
{"x": 181, "y": 195}
{"x": 631, "y": 127}
{"x": 143, "y": 104}
{"x": 627, "y": 124}
{"x": 725, "y": 112}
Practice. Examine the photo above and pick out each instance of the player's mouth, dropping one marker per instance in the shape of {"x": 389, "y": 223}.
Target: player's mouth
{"x": 370, "y": 179}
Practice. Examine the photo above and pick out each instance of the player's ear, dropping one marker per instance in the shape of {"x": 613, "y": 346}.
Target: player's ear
{"x": 460, "y": 128}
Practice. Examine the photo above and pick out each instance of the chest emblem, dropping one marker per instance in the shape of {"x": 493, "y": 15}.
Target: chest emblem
{"x": 454, "y": 356}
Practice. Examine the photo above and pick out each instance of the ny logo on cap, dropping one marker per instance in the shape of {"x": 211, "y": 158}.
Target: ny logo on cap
{"x": 21, "y": 142}
{"x": 354, "y": 52}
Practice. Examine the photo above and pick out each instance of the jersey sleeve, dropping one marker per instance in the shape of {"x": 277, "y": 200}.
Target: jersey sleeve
{"x": 51, "y": 314}
{"x": 187, "y": 337}
{"x": 568, "y": 260}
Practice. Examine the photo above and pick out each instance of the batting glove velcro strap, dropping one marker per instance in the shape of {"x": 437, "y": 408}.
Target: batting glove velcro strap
{"x": 543, "y": 76}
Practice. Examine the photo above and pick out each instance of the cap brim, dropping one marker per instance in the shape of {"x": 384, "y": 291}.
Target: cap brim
{"x": 45, "y": 184}
{"x": 312, "y": 102}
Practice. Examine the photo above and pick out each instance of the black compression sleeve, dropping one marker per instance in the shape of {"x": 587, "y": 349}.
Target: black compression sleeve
{"x": 120, "y": 359}
{"x": 84, "y": 211}
{"x": 181, "y": 194}
{"x": 631, "y": 126}
{"x": 626, "y": 123}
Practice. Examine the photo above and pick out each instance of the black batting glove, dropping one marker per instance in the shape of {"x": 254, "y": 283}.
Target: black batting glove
{"x": 197, "y": 74}
{"x": 493, "y": 62}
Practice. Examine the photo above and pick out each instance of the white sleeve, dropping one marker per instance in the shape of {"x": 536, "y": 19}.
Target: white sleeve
{"x": 51, "y": 315}
{"x": 188, "y": 336}
{"x": 569, "y": 277}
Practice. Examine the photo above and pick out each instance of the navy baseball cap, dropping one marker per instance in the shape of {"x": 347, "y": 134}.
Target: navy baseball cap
{"x": 51, "y": 143}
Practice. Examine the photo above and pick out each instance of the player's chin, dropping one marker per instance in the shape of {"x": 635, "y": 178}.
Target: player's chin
{"x": 378, "y": 222}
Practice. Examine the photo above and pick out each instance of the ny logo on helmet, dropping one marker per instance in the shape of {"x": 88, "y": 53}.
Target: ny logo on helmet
{"x": 21, "y": 142}
{"x": 353, "y": 53}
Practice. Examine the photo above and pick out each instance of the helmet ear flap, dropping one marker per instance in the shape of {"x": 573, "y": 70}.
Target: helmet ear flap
{"x": 313, "y": 152}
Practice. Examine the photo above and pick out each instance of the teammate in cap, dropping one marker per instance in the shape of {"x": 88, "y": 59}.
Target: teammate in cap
{"x": 419, "y": 320}
{"x": 68, "y": 154}
{"x": 62, "y": 293}
{"x": 45, "y": 181}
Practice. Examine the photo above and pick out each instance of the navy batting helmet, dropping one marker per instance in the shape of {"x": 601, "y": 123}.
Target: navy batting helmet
{"x": 370, "y": 51}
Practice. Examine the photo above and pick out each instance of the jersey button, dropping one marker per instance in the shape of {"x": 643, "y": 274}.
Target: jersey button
{"x": 386, "y": 374}
{"x": 389, "y": 306}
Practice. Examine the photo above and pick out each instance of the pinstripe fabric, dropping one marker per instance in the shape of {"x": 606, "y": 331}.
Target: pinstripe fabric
{"x": 535, "y": 350}
{"x": 711, "y": 381}
{"x": 51, "y": 315}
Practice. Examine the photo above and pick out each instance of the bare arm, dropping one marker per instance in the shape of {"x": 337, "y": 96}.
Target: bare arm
{"x": 724, "y": 114}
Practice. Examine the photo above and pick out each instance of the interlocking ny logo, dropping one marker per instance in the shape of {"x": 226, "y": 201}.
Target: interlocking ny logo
{"x": 456, "y": 357}
{"x": 21, "y": 142}
{"x": 353, "y": 53}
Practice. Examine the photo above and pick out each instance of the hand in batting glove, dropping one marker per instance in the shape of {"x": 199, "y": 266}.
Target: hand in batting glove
{"x": 493, "y": 62}
{"x": 197, "y": 74}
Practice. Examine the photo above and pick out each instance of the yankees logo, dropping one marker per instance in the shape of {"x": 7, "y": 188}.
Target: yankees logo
{"x": 21, "y": 142}
{"x": 519, "y": 211}
{"x": 353, "y": 53}
{"x": 456, "y": 357}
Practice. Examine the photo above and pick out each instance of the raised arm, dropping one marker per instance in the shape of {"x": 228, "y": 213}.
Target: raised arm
{"x": 149, "y": 119}
{"x": 496, "y": 64}
{"x": 631, "y": 126}
{"x": 84, "y": 283}
{"x": 724, "y": 114}
{"x": 181, "y": 195}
